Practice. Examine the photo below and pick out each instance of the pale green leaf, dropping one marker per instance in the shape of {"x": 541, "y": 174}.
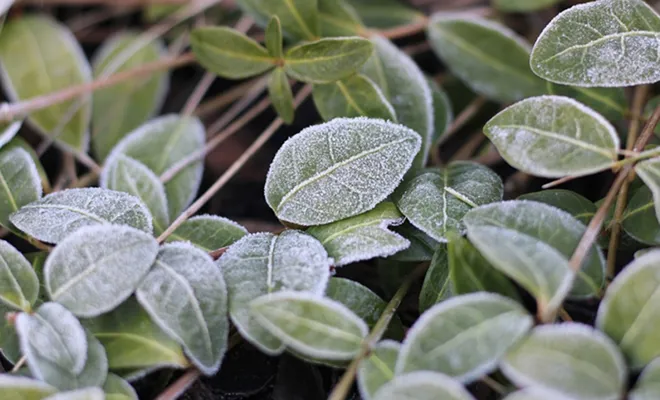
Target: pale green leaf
{"x": 273, "y": 37}
{"x": 89, "y": 393}
{"x": 523, "y": 5}
{"x": 640, "y": 220}
{"x": 9, "y": 346}
{"x": 19, "y": 182}
{"x": 18, "y": 141}
{"x": 338, "y": 169}
{"x": 535, "y": 393}
{"x": 338, "y": 18}
{"x": 355, "y": 96}
{"x": 648, "y": 384}
{"x": 437, "y": 286}
{"x": 281, "y": 96}
{"x": 9, "y": 131}
{"x": 378, "y": 368}
{"x": 299, "y": 18}
{"x": 385, "y": 14}
{"x": 20, "y": 388}
{"x": 442, "y": 109}
{"x": 208, "y": 232}
{"x": 422, "y": 246}
{"x": 116, "y": 388}
{"x": 423, "y": 385}
{"x": 611, "y": 103}
{"x": 19, "y": 285}
{"x": 649, "y": 171}
{"x": 575, "y": 204}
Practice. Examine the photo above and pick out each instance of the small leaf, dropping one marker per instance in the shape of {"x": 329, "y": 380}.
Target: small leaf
{"x": 435, "y": 200}
{"x": 46, "y": 43}
{"x": 613, "y": 43}
{"x": 19, "y": 285}
{"x": 20, "y": 182}
{"x": 464, "y": 337}
{"x": 338, "y": 18}
{"x": 362, "y": 237}
{"x": 378, "y": 368}
{"x": 523, "y": 5}
{"x": 185, "y": 294}
{"x": 649, "y": 171}
{"x": 9, "y": 346}
{"x": 116, "y": 388}
{"x": 90, "y": 393}
{"x": 9, "y": 130}
{"x": 355, "y": 96}
{"x": 312, "y": 325}
{"x": 208, "y": 232}
{"x": 273, "y": 37}
{"x": 263, "y": 263}
{"x": 437, "y": 286}
{"x": 96, "y": 268}
{"x": 299, "y": 18}
{"x": 281, "y": 96}
{"x": 648, "y": 384}
{"x": 62, "y": 213}
{"x": 422, "y": 246}
{"x": 442, "y": 109}
{"x": 640, "y": 220}
{"x": 423, "y": 385}
{"x": 553, "y": 136}
{"x": 575, "y": 204}
{"x": 385, "y": 14}
{"x": 20, "y": 388}
{"x": 229, "y": 53}
{"x": 590, "y": 364}
{"x": 338, "y": 169}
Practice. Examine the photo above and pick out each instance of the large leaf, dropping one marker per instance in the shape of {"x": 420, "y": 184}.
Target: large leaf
{"x": 19, "y": 182}
{"x": 30, "y": 47}
{"x": 648, "y": 384}
{"x": 21, "y": 388}
{"x": 299, "y": 18}
{"x": 612, "y": 43}
{"x": 355, "y": 96}
{"x": 264, "y": 263}
{"x": 435, "y": 200}
{"x": 281, "y": 96}
{"x": 186, "y": 295}
{"x": 553, "y": 136}
{"x": 96, "y": 268}
{"x": 208, "y": 232}
{"x": 649, "y": 171}
{"x": 338, "y": 169}
{"x": 378, "y": 368}
{"x": 19, "y": 285}
{"x": 116, "y": 388}
{"x": 119, "y": 109}
{"x": 464, "y": 337}
{"x": 19, "y": 142}
{"x": 437, "y": 286}
{"x": 640, "y": 220}
{"x": 61, "y": 214}
{"x": 423, "y": 385}
{"x": 590, "y": 363}
{"x": 575, "y": 204}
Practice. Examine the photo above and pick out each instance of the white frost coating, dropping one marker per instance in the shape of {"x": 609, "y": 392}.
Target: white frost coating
{"x": 17, "y": 383}
{"x": 646, "y": 387}
{"x": 649, "y": 171}
{"x": 90, "y": 393}
{"x": 23, "y": 184}
{"x": 186, "y": 295}
{"x": 208, "y": 232}
{"x": 535, "y": 393}
{"x": 423, "y": 385}
{"x": 5, "y": 5}
{"x": 315, "y": 326}
{"x": 263, "y": 263}
{"x": 338, "y": 169}
{"x": 569, "y": 359}
{"x": 612, "y": 43}
{"x": 464, "y": 337}
{"x": 96, "y": 268}
{"x": 10, "y": 131}
{"x": 19, "y": 285}
{"x": 371, "y": 374}
{"x": 115, "y": 385}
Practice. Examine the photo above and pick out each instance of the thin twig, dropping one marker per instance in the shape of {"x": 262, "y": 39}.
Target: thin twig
{"x": 494, "y": 385}
{"x": 180, "y": 386}
{"x": 225, "y": 98}
{"x": 21, "y": 362}
{"x": 252, "y": 94}
{"x": 198, "y": 93}
{"x": 463, "y": 118}
{"x": 114, "y": 3}
{"x": 404, "y": 30}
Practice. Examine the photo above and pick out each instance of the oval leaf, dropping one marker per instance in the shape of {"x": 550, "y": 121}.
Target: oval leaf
{"x": 22, "y": 388}
{"x": 648, "y": 384}
{"x": 437, "y": 286}
{"x": 575, "y": 204}
{"x": 423, "y": 385}
{"x": 19, "y": 285}
{"x": 21, "y": 184}
{"x": 355, "y": 96}
{"x": 116, "y": 388}
{"x": 273, "y": 37}
{"x": 299, "y": 18}
{"x": 208, "y": 232}
{"x": 281, "y": 96}
{"x": 649, "y": 171}
{"x": 385, "y": 14}
{"x": 377, "y": 369}
{"x": 90, "y": 393}
{"x": 640, "y": 220}
{"x": 534, "y": 393}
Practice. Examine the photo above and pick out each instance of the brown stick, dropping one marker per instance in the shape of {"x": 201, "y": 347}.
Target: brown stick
{"x": 180, "y": 386}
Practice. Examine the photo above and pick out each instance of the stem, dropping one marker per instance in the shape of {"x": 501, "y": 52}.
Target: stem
{"x": 180, "y": 386}
{"x": 464, "y": 117}
{"x": 198, "y": 94}
{"x": 21, "y": 362}
{"x": 114, "y": 3}
{"x": 494, "y": 385}
{"x": 225, "y": 98}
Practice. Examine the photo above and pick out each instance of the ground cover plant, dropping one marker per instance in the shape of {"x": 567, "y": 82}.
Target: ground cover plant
{"x": 460, "y": 201}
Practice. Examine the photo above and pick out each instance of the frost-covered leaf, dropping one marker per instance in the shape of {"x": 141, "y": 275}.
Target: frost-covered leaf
{"x": 338, "y": 18}
{"x": 569, "y": 359}
{"x": 264, "y": 263}
{"x": 464, "y": 337}
{"x": 442, "y": 109}
{"x": 611, "y": 103}
{"x": 338, "y": 169}
{"x": 88, "y": 393}
{"x": 119, "y": 109}
{"x": 648, "y": 384}
{"x": 9, "y": 346}
{"x": 20, "y": 182}
{"x": 437, "y": 286}
{"x": 640, "y": 220}
{"x": 612, "y": 43}
{"x": 96, "y": 268}
{"x": 281, "y": 96}
{"x": 378, "y": 368}
{"x": 116, "y": 388}
{"x": 535, "y": 393}
{"x": 362, "y": 237}
{"x": 422, "y": 246}
{"x": 273, "y": 37}
{"x": 406, "y": 88}
{"x": 312, "y": 325}
{"x": 523, "y": 5}
{"x": 327, "y": 60}
{"x": 185, "y": 294}
{"x": 208, "y": 232}
{"x": 8, "y": 130}
{"x": 14, "y": 387}
{"x": 19, "y": 142}
{"x": 355, "y": 96}
{"x": 62, "y": 213}
{"x": 575, "y": 204}
{"x": 160, "y": 144}
{"x": 487, "y": 56}
{"x": 435, "y": 200}
{"x": 423, "y": 385}
{"x": 5, "y": 5}
{"x": 124, "y": 174}
{"x": 385, "y": 14}
{"x": 553, "y": 136}
{"x": 649, "y": 171}
{"x": 299, "y": 18}
{"x": 19, "y": 285}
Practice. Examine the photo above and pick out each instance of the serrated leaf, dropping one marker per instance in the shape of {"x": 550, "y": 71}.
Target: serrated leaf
{"x": 20, "y": 388}
{"x": 611, "y": 103}
{"x": 273, "y": 37}
{"x": 116, "y": 388}
{"x": 29, "y": 47}
{"x": 281, "y": 96}
{"x": 437, "y": 286}
{"x": 464, "y": 337}
{"x": 406, "y": 88}
{"x": 355, "y": 96}
{"x": 648, "y": 384}
{"x": 422, "y": 246}
{"x": 575, "y": 204}
{"x": 19, "y": 182}
{"x": 338, "y": 169}
{"x": 442, "y": 109}
{"x": 263, "y": 263}
{"x": 119, "y": 109}
{"x": 423, "y": 385}
{"x": 640, "y": 220}
{"x": 89, "y": 393}
{"x": 314, "y": 326}
{"x": 230, "y": 53}
{"x": 523, "y": 5}
{"x": 185, "y": 294}
{"x": 378, "y": 368}
{"x": 362, "y": 237}
{"x": 19, "y": 285}
{"x": 96, "y": 268}
{"x": 299, "y": 18}
{"x": 436, "y": 200}
{"x": 160, "y": 144}
{"x": 9, "y": 346}
{"x": 60, "y": 214}
{"x": 327, "y": 60}
{"x": 649, "y": 171}
{"x": 613, "y": 43}
{"x": 208, "y": 232}
{"x": 553, "y": 136}
{"x": 590, "y": 363}
{"x": 385, "y": 14}
{"x": 338, "y": 18}
{"x": 124, "y": 174}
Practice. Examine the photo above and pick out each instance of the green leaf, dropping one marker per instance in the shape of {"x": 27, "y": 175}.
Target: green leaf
{"x": 640, "y": 220}
{"x": 611, "y": 103}
{"x": 648, "y": 384}
{"x": 162, "y": 143}
{"x": 9, "y": 131}
{"x": 338, "y": 169}
{"x": 442, "y": 109}
{"x": 487, "y": 56}
{"x": 185, "y": 294}
{"x": 281, "y": 96}
{"x": 575, "y": 204}
{"x": 18, "y": 141}
{"x": 649, "y": 171}
{"x": 312, "y": 325}
{"x": 9, "y": 346}
{"x": 116, "y": 388}
{"x": 553, "y": 136}
{"x": 119, "y": 109}
{"x": 124, "y": 174}
{"x": 299, "y": 18}
{"x": 338, "y": 18}
{"x": 435, "y": 200}
{"x": 229, "y": 53}
{"x": 406, "y": 88}
{"x": 263, "y": 263}
{"x": 523, "y": 5}
{"x": 20, "y": 388}
{"x": 355, "y": 96}
{"x": 464, "y": 337}
{"x": 29, "y": 48}
{"x": 327, "y": 60}
{"x": 590, "y": 364}
{"x": 385, "y": 14}
{"x": 362, "y": 237}
{"x": 273, "y": 37}
{"x": 89, "y": 393}
{"x": 96, "y": 268}
{"x": 613, "y": 43}
{"x": 628, "y": 313}
{"x": 422, "y": 246}
{"x": 534, "y": 393}
{"x": 19, "y": 285}
{"x": 19, "y": 183}
{"x": 423, "y": 385}
{"x": 378, "y": 368}
{"x": 208, "y": 232}
{"x": 437, "y": 286}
